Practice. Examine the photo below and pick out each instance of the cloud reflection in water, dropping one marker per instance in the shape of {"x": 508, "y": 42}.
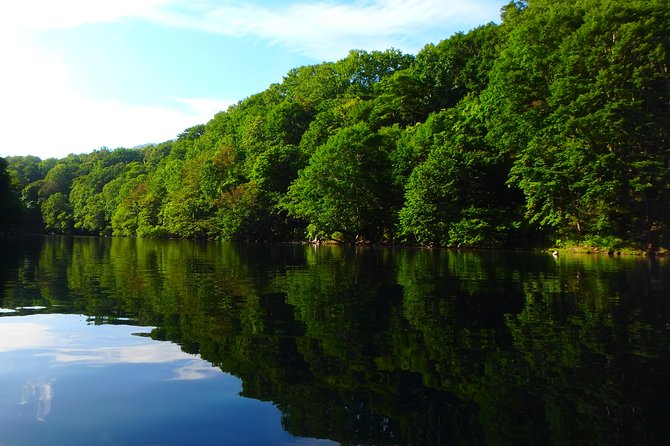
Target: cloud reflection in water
{"x": 57, "y": 341}
{"x": 69, "y": 340}
{"x": 40, "y": 393}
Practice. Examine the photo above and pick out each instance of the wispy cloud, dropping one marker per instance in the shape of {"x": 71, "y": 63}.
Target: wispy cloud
{"x": 42, "y": 106}
{"x": 39, "y": 393}
{"x": 29, "y": 15}
{"x": 24, "y": 335}
{"x": 204, "y": 106}
{"x": 66, "y": 340}
{"x": 44, "y": 109}
{"x": 323, "y": 30}
{"x": 195, "y": 370}
{"x": 154, "y": 353}
{"x": 328, "y": 29}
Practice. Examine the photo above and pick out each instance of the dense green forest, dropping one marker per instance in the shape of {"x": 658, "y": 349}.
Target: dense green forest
{"x": 550, "y": 127}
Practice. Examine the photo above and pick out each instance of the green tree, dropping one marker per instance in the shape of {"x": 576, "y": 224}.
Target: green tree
{"x": 25, "y": 169}
{"x": 362, "y": 69}
{"x": 402, "y": 99}
{"x": 247, "y": 212}
{"x": 10, "y": 210}
{"x": 331, "y": 116}
{"x": 60, "y": 177}
{"x": 457, "y": 66}
{"x": 125, "y": 219}
{"x": 457, "y": 197}
{"x": 94, "y": 194}
{"x": 345, "y": 187}
{"x": 57, "y": 213}
{"x": 580, "y": 97}
{"x": 415, "y": 144}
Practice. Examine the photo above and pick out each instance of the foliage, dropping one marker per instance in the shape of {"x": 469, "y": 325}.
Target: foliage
{"x": 457, "y": 196}
{"x": 344, "y": 189}
{"x": 9, "y": 203}
{"x": 580, "y": 97}
{"x": 57, "y": 213}
{"x": 552, "y": 125}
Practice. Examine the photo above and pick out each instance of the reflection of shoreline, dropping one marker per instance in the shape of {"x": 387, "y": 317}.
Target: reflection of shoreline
{"x": 42, "y": 392}
{"x": 401, "y": 344}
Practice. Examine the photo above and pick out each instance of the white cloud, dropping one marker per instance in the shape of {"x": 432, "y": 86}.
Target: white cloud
{"x": 154, "y": 353}
{"x": 323, "y": 29}
{"x": 195, "y": 370}
{"x": 24, "y": 335}
{"x": 44, "y": 114}
{"x": 67, "y": 341}
{"x": 49, "y": 14}
{"x": 41, "y": 394}
{"x": 326, "y": 30}
{"x": 204, "y": 106}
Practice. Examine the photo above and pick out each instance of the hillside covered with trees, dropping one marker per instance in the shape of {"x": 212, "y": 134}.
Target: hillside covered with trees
{"x": 550, "y": 127}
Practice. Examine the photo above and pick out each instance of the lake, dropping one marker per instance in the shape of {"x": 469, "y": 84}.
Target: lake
{"x": 107, "y": 341}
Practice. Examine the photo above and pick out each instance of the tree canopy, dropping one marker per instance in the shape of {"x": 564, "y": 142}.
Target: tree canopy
{"x": 550, "y": 127}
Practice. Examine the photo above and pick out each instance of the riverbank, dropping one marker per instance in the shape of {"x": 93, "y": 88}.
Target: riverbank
{"x": 585, "y": 249}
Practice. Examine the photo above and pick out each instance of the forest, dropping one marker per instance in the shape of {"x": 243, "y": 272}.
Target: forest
{"x": 549, "y": 128}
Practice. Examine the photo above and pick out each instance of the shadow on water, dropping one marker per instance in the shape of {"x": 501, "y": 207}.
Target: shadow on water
{"x": 384, "y": 346}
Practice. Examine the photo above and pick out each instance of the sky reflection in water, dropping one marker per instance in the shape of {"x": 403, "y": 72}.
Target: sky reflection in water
{"x": 66, "y": 381}
{"x": 359, "y": 346}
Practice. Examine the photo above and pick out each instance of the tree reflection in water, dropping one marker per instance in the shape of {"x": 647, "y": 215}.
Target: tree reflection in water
{"x": 383, "y": 346}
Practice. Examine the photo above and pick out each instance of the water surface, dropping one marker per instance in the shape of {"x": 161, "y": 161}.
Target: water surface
{"x": 146, "y": 342}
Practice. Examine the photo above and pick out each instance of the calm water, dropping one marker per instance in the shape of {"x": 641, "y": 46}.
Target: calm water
{"x": 144, "y": 342}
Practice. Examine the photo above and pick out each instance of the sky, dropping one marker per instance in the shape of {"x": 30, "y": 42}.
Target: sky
{"x": 78, "y": 75}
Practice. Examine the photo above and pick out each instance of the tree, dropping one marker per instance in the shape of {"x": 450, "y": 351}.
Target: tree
{"x": 457, "y": 196}
{"x": 94, "y": 194}
{"x": 25, "y": 169}
{"x": 10, "y": 210}
{"x": 416, "y": 143}
{"x": 331, "y": 116}
{"x": 457, "y": 66}
{"x": 344, "y": 191}
{"x": 57, "y": 213}
{"x": 402, "y": 99}
{"x": 60, "y": 177}
{"x": 125, "y": 218}
{"x": 580, "y": 97}
{"x": 247, "y": 212}
{"x": 276, "y": 168}
{"x": 362, "y": 70}
{"x": 287, "y": 122}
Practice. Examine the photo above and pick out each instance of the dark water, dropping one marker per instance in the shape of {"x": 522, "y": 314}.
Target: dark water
{"x": 143, "y": 342}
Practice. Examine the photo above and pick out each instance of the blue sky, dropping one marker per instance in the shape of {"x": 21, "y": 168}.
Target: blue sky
{"x": 81, "y": 74}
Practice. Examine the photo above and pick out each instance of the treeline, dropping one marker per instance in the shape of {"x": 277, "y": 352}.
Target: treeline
{"x": 549, "y": 127}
